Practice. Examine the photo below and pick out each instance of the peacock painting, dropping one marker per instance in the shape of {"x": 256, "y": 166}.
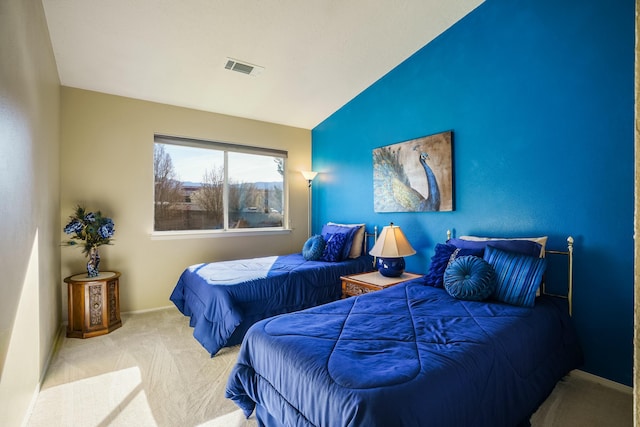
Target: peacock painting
{"x": 414, "y": 176}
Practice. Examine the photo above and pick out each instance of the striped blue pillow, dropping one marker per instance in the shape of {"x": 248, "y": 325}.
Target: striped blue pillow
{"x": 517, "y": 276}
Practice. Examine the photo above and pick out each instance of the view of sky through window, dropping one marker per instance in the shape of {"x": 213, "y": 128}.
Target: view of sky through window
{"x": 190, "y": 163}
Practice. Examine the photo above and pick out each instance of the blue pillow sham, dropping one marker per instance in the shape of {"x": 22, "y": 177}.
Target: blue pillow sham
{"x": 518, "y": 276}
{"x": 526, "y": 247}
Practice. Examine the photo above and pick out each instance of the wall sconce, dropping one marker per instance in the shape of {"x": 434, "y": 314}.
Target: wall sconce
{"x": 309, "y": 176}
{"x": 390, "y": 248}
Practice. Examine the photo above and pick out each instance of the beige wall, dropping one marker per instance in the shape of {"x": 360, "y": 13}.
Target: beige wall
{"x": 29, "y": 205}
{"x": 107, "y": 165}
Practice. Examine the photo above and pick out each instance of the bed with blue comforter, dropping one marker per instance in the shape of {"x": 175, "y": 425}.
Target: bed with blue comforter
{"x": 410, "y": 355}
{"x": 223, "y": 299}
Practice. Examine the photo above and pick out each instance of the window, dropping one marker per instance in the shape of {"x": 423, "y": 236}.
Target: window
{"x": 204, "y": 185}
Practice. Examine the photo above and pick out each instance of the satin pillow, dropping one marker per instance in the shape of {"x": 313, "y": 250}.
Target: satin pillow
{"x": 518, "y": 276}
{"x": 470, "y": 278}
{"x": 313, "y": 248}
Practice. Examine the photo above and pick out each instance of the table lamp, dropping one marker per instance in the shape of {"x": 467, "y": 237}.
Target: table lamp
{"x": 390, "y": 248}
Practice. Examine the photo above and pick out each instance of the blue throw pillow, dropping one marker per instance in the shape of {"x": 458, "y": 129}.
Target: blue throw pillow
{"x": 333, "y": 247}
{"x": 313, "y": 248}
{"x": 470, "y": 278}
{"x": 526, "y": 247}
{"x": 443, "y": 256}
{"x": 348, "y": 231}
{"x": 518, "y": 276}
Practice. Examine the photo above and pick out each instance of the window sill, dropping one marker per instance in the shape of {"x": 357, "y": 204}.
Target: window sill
{"x": 213, "y": 234}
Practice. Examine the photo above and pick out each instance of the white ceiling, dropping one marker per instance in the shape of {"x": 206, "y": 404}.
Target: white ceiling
{"x": 317, "y": 54}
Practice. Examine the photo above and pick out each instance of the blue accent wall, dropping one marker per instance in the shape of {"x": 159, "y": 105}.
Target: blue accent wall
{"x": 539, "y": 95}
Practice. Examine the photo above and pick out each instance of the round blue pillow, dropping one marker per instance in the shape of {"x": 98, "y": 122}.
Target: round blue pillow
{"x": 470, "y": 278}
{"x": 313, "y": 248}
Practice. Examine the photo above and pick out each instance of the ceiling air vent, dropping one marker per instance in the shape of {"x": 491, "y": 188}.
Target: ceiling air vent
{"x": 243, "y": 67}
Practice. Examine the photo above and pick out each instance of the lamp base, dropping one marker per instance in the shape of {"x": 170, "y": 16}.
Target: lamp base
{"x": 390, "y": 267}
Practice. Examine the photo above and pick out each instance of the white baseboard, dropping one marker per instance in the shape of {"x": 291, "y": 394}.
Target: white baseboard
{"x": 149, "y": 310}
{"x": 603, "y": 381}
{"x": 32, "y": 404}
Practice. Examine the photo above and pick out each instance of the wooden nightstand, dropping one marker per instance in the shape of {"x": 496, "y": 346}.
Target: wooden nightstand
{"x": 358, "y": 284}
{"x": 94, "y": 304}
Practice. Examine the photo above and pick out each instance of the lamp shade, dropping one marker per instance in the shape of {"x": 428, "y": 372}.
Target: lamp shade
{"x": 392, "y": 243}
{"x": 309, "y": 175}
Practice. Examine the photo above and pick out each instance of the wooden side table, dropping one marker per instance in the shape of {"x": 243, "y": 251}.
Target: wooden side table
{"x": 94, "y": 304}
{"x": 358, "y": 284}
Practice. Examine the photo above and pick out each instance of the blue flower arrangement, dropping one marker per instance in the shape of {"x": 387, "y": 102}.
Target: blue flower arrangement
{"x": 90, "y": 227}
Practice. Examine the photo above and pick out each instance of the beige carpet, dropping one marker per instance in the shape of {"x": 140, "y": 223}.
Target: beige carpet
{"x": 152, "y": 372}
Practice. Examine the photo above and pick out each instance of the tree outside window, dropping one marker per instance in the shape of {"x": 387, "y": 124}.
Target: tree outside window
{"x": 215, "y": 186}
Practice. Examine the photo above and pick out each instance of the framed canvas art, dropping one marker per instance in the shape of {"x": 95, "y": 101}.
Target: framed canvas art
{"x": 414, "y": 175}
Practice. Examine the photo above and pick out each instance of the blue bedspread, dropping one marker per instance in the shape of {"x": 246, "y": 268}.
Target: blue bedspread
{"x": 410, "y": 355}
{"x": 223, "y": 299}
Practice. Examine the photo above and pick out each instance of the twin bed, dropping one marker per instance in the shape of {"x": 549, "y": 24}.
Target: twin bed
{"x": 223, "y": 299}
{"x": 410, "y": 355}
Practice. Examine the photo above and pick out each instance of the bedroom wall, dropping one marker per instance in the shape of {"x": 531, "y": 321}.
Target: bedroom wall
{"x": 107, "y": 165}
{"x": 539, "y": 95}
{"x": 29, "y": 205}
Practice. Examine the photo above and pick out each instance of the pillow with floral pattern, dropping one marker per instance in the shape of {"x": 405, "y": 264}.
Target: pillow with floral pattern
{"x": 334, "y": 244}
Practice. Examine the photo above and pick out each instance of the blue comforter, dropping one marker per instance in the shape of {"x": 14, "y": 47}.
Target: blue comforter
{"x": 223, "y": 299}
{"x": 410, "y": 355}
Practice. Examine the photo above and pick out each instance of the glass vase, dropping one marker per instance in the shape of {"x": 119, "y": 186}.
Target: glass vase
{"x": 93, "y": 263}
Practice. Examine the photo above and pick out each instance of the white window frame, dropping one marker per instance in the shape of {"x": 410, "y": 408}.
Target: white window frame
{"x": 225, "y": 147}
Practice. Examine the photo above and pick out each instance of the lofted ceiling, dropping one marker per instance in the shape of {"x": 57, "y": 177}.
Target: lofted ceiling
{"x": 317, "y": 54}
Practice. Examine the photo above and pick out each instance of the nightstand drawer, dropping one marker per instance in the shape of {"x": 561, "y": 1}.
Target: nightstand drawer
{"x": 350, "y": 288}
{"x": 359, "y": 284}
